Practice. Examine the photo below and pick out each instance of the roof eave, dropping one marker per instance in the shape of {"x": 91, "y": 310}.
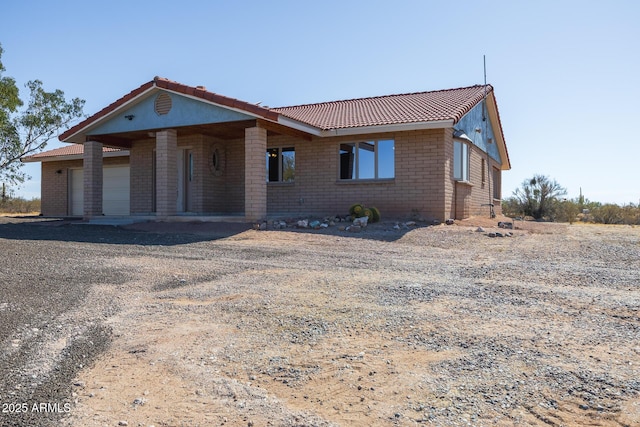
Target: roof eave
{"x": 79, "y": 136}
{"x": 33, "y": 159}
{"x": 77, "y": 133}
{"x": 396, "y": 127}
{"x": 301, "y": 126}
{"x": 494, "y": 116}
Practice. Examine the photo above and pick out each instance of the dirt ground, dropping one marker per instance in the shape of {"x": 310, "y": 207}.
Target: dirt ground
{"x": 439, "y": 325}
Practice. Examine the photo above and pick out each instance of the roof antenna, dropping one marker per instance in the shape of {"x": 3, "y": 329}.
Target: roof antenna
{"x": 484, "y": 100}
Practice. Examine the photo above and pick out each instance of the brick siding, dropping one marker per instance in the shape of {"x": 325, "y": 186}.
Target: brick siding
{"x": 472, "y": 199}
{"x": 92, "y": 160}
{"x": 55, "y": 186}
{"x": 418, "y": 186}
{"x": 423, "y": 182}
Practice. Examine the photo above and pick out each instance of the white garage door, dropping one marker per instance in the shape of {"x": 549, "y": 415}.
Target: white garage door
{"x": 115, "y": 191}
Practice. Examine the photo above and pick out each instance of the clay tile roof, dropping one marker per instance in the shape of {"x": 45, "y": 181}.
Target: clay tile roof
{"x": 450, "y": 104}
{"x": 69, "y": 150}
{"x": 199, "y": 92}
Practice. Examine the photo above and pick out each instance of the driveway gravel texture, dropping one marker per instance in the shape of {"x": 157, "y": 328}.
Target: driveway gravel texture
{"x": 197, "y": 324}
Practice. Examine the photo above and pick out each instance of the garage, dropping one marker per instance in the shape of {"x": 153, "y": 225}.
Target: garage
{"x": 115, "y": 191}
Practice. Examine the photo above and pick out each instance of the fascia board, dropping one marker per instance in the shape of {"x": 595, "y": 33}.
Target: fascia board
{"x": 400, "y": 127}
{"x": 75, "y": 157}
{"x": 502, "y": 146}
{"x": 206, "y": 101}
{"x": 294, "y": 124}
{"x": 141, "y": 97}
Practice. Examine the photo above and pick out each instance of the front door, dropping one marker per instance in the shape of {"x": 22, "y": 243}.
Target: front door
{"x": 185, "y": 180}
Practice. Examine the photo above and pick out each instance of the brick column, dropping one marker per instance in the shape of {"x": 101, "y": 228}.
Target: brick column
{"x": 92, "y": 177}
{"x": 166, "y": 173}
{"x": 255, "y": 173}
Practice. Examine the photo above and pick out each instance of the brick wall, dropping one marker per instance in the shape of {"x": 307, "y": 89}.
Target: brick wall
{"x": 224, "y": 192}
{"x": 142, "y": 178}
{"x": 210, "y": 194}
{"x": 418, "y": 186}
{"x": 166, "y": 172}
{"x": 472, "y": 198}
{"x": 232, "y": 199}
{"x": 423, "y": 182}
{"x": 255, "y": 194}
{"x": 55, "y": 186}
{"x": 93, "y": 181}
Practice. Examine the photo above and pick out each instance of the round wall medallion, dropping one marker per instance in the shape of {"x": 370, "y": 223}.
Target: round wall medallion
{"x": 217, "y": 160}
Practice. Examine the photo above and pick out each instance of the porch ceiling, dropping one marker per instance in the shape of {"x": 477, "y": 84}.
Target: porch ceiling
{"x": 226, "y": 131}
{"x": 229, "y": 130}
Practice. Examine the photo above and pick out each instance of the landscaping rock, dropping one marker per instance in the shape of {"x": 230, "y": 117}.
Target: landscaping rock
{"x": 362, "y": 221}
{"x": 139, "y": 401}
{"x": 480, "y": 230}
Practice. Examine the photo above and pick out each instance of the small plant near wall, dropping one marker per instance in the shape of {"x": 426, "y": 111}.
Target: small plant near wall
{"x": 358, "y": 210}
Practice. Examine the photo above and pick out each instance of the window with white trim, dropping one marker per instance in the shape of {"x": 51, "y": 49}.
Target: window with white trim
{"x": 460, "y": 161}
{"x": 497, "y": 184}
{"x": 281, "y": 164}
{"x": 367, "y": 159}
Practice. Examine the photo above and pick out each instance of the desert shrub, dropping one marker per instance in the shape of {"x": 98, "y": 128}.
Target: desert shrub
{"x": 18, "y": 205}
{"x": 566, "y": 211}
{"x": 631, "y": 214}
{"x": 511, "y": 207}
{"x": 607, "y": 214}
{"x": 538, "y": 197}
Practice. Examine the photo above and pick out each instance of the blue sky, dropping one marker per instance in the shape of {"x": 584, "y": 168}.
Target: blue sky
{"x": 565, "y": 73}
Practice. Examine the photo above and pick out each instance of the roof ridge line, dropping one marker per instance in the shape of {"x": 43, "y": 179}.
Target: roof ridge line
{"x": 380, "y": 96}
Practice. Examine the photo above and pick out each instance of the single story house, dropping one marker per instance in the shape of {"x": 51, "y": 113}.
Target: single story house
{"x": 168, "y": 151}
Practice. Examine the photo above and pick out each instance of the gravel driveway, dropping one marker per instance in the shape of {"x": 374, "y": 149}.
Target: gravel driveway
{"x": 219, "y": 325}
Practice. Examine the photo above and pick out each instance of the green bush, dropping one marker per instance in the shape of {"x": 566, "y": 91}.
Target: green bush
{"x": 356, "y": 210}
{"x": 376, "y": 214}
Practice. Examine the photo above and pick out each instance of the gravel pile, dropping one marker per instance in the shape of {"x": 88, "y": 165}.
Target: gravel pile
{"x": 437, "y": 325}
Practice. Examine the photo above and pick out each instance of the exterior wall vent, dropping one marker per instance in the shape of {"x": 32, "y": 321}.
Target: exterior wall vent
{"x": 163, "y": 104}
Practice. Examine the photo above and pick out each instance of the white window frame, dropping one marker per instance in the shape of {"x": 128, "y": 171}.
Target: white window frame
{"x": 461, "y": 160}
